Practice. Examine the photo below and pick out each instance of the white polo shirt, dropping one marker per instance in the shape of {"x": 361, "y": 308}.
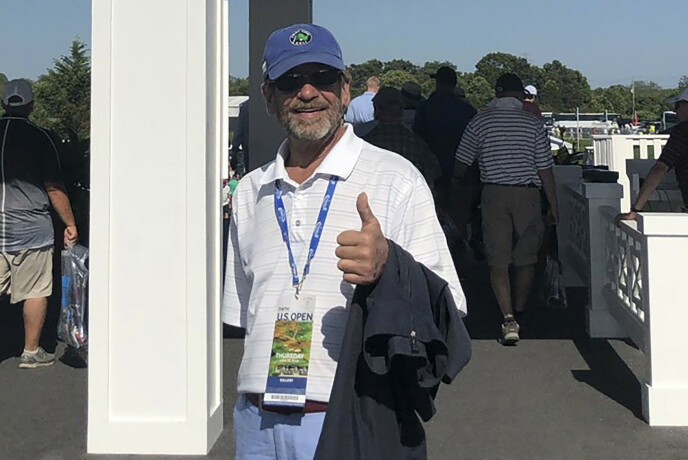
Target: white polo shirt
{"x": 258, "y": 271}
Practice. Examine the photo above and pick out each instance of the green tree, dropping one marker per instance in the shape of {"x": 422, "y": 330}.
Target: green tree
{"x": 492, "y": 65}
{"x": 238, "y": 86}
{"x": 683, "y": 82}
{"x": 3, "y": 82}
{"x": 651, "y": 100}
{"x": 478, "y": 91}
{"x": 400, "y": 64}
{"x": 616, "y": 98}
{"x": 396, "y": 78}
{"x": 63, "y": 95}
{"x": 361, "y": 72}
{"x": 564, "y": 88}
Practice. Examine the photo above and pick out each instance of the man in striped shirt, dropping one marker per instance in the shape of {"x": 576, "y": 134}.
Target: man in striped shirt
{"x": 279, "y": 227}
{"x": 515, "y": 161}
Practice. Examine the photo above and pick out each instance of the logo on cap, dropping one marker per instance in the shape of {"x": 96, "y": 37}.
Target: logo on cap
{"x": 301, "y": 37}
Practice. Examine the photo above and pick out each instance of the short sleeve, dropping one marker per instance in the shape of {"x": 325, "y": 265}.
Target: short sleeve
{"x": 543, "y": 150}
{"x": 49, "y": 158}
{"x": 675, "y": 151}
{"x": 469, "y": 146}
{"x": 421, "y": 235}
{"x": 237, "y": 289}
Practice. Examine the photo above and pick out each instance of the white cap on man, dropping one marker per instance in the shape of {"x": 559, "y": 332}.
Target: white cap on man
{"x": 17, "y": 93}
{"x": 530, "y": 90}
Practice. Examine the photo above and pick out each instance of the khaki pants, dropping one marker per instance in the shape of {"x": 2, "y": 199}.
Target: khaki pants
{"x": 512, "y": 224}
{"x": 27, "y": 274}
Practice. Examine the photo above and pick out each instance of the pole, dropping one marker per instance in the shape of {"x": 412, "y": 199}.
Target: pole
{"x": 633, "y": 122}
{"x": 578, "y": 133}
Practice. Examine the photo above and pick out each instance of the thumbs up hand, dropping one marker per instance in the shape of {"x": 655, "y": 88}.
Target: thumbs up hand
{"x": 363, "y": 253}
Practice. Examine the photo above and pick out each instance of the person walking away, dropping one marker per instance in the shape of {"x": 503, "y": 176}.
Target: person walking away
{"x": 440, "y": 121}
{"x": 515, "y": 160}
{"x": 31, "y": 182}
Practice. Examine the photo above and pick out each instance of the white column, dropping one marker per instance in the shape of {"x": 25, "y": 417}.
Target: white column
{"x": 155, "y": 381}
{"x": 599, "y": 321}
{"x": 665, "y": 394}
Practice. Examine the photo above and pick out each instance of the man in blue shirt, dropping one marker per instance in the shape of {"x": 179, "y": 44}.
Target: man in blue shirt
{"x": 361, "y": 108}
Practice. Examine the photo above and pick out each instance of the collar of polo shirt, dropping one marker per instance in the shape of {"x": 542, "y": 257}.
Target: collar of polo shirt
{"x": 340, "y": 161}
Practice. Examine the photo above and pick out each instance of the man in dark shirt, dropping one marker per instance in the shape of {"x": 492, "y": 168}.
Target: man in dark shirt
{"x": 674, "y": 156}
{"x": 442, "y": 119}
{"x": 390, "y": 134}
{"x": 31, "y": 182}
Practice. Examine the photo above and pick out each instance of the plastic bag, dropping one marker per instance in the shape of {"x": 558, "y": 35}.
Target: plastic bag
{"x": 554, "y": 292}
{"x": 72, "y": 328}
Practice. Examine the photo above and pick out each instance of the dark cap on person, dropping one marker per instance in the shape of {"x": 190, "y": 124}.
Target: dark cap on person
{"x": 387, "y": 96}
{"x": 17, "y": 93}
{"x": 300, "y": 44}
{"x": 445, "y": 75}
{"x": 509, "y": 82}
{"x": 411, "y": 89}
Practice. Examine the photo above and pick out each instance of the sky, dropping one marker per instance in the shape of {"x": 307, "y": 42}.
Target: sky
{"x": 610, "y": 42}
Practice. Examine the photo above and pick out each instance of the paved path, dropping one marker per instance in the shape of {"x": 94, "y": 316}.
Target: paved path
{"x": 557, "y": 395}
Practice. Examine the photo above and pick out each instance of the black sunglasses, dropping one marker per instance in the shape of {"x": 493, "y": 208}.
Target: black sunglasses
{"x": 291, "y": 82}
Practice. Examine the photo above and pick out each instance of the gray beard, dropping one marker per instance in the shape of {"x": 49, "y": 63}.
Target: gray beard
{"x": 313, "y": 131}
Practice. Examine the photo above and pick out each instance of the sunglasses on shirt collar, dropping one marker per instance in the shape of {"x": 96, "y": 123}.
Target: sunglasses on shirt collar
{"x": 290, "y": 82}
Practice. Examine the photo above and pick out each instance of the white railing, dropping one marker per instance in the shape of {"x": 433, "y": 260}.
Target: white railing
{"x": 579, "y": 236}
{"x": 635, "y": 273}
{"x": 583, "y": 257}
{"x": 644, "y": 291}
{"x": 624, "y": 280}
{"x": 565, "y": 177}
{"x": 614, "y": 150}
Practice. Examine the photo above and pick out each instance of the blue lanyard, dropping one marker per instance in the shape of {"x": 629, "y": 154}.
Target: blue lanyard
{"x": 281, "y": 214}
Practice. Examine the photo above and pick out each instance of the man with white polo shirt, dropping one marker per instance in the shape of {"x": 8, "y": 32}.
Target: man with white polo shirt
{"x": 306, "y": 229}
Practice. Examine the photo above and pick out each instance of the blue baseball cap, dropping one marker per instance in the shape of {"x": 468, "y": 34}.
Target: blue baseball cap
{"x": 299, "y": 44}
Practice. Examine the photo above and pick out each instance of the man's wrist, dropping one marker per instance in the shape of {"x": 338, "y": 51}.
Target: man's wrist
{"x": 634, "y": 209}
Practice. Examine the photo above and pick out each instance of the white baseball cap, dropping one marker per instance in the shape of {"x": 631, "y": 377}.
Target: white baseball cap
{"x": 682, "y": 96}
{"x": 17, "y": 89}
{"x": 530, "y": 89}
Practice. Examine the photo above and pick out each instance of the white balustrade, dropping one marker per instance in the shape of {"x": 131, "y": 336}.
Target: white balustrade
{"x": 614, "y": 150}
{"x": 564, "y": 177}
{"x": 585, "y": 248}
{"x": 645, "y": 271}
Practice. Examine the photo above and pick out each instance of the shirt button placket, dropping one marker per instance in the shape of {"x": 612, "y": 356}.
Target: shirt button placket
{"x": 297, "y": 216}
